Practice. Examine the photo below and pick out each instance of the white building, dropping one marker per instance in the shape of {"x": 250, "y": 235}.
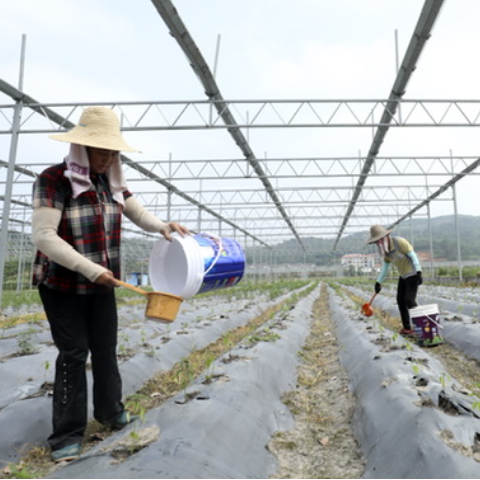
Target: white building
{"x": 364, "y": 263}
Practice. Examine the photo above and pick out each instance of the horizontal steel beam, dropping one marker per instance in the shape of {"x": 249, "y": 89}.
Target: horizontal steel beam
{"x": 195, "y": 115}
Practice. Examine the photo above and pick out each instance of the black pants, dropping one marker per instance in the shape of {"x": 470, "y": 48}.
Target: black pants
{"x": 81, "y": 324}
{"x": 407, "y": 298}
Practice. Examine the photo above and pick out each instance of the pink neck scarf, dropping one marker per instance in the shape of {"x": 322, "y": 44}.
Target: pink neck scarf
{"x": 78, "y": 172}
{"x": 384, "y": 246}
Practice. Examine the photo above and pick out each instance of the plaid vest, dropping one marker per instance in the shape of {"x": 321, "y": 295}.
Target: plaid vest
{"x": 90, "y": 223}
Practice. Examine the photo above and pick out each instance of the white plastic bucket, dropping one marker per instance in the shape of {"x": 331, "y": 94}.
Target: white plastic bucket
{"x": 194, "y": 264}
{"x": 426, "y": 324}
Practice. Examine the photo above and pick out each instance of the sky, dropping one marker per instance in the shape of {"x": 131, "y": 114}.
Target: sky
{"x": 88, "y": 51}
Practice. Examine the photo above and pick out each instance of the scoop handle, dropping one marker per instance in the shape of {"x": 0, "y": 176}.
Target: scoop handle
{"x": 132, "y": 287}
{"x": 373, "y": 298}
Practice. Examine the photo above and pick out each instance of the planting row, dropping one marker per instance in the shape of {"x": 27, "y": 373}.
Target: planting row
{"x": 459, "y": 310}
{"x": 145, "y": 347}
{"x": 220, "y": 425}
{"x": 412, "y": 418}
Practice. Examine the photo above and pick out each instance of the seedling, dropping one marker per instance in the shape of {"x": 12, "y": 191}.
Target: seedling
{"x": 19, "y": 472}
{"x": 46, "y": 366}
{"x": 209, "y": 367}
{"x": 135, "y": 404}
{"x": 443, "y": 379}
{"x": 24, "y": 342}
{"x": 135, "y": 446}
{"x": 184, "y": 375}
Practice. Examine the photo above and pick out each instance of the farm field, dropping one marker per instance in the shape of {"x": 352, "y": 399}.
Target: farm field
{"x": 284, "y": 380}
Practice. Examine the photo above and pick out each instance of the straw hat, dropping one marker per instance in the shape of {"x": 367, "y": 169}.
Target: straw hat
{"x": 377, "y": 232}
{"x": 98, "y": 127}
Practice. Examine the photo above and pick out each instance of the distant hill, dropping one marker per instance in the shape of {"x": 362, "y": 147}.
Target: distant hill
{"x": 319, "y": 251}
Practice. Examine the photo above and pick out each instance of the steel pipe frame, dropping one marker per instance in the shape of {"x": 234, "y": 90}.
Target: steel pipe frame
{"x": 177, "y": 28}
{"x": 309, "y": 210}
{"x": 65, "y": 122}
{"x": 455, "y": 108}
{"x": 327, "y": 204}
{"x": 264, "y": 104}
{"x": 421, "y": 34}
{"x": 382, "y": 176}
{"x": 440, "y": 191}
{"x": 236, "y": 161}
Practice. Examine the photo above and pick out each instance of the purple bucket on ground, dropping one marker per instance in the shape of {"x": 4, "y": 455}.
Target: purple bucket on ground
{"x": 426, "y": 324}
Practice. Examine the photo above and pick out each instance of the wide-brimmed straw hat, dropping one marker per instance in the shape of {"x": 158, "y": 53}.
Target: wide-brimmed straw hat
{"x": 98, "y": 127}
{"x": 377, "y": 232}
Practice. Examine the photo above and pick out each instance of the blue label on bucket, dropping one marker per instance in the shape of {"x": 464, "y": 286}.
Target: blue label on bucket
{"x": 224, "y": 262}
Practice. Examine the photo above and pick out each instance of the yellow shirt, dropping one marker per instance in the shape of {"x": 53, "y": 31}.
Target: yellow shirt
{"x": 399, "y": 247}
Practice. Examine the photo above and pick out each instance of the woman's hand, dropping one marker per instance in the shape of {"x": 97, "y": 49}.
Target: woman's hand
{"x": 107, "y": 279}
{"x": 175, "y": 227}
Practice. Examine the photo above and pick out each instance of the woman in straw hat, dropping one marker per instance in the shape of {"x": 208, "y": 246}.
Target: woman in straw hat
{"x": 400, "y": 252}
{"x": 76, "y": 227}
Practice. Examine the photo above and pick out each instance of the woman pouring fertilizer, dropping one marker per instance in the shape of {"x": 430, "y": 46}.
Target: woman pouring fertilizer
{"x": 400, "y": 252}
{"x": 76, "y": 227}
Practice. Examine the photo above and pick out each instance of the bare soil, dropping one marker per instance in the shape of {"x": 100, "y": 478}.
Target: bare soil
{"x": 322, "y": 445}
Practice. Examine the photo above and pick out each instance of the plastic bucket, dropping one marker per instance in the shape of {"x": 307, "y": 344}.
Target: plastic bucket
{"x": 426, "y": 324}
{"x": 195, "y": 264}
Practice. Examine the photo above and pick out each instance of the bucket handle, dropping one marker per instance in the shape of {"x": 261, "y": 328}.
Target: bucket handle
{"x": 436, "y": 323}
{"x": 218, "y": 240}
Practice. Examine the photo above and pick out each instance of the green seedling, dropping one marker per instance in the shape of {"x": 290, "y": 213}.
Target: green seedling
{"x": 24, "y": 342}
{"x": 184, "y": 375}
{"x": 19, "y": 472}
{"x": 443, "y": 379}
{"x": 46, "y": 366}
{"x": 209, "y": 367}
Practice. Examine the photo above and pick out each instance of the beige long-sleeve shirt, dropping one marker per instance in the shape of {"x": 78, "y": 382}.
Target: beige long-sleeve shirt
{"x": 45, "y": 222}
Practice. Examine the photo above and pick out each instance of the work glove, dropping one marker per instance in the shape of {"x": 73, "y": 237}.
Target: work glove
{"x": 378, "y": 287}
{"x": 420, "y": 279}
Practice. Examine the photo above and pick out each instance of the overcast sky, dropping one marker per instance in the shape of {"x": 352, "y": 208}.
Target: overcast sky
{"x": 114, "y": 50}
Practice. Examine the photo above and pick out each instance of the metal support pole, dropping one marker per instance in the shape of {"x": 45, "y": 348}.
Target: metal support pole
{"x": 169, "y": 191}
{"x": 397, "y": 69}
{"x": 199, "y": 218}
{"x": 457, "y": 232}
{"x": 220, "y": 220}
{"x": 254, "y": 261}
{"x": 235, "y": 230}
{"x": 10, "y": 171}
{"x": 457, "y": 227}
{"x": 432, "y": 268}
{"x": 21, "y": 256}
